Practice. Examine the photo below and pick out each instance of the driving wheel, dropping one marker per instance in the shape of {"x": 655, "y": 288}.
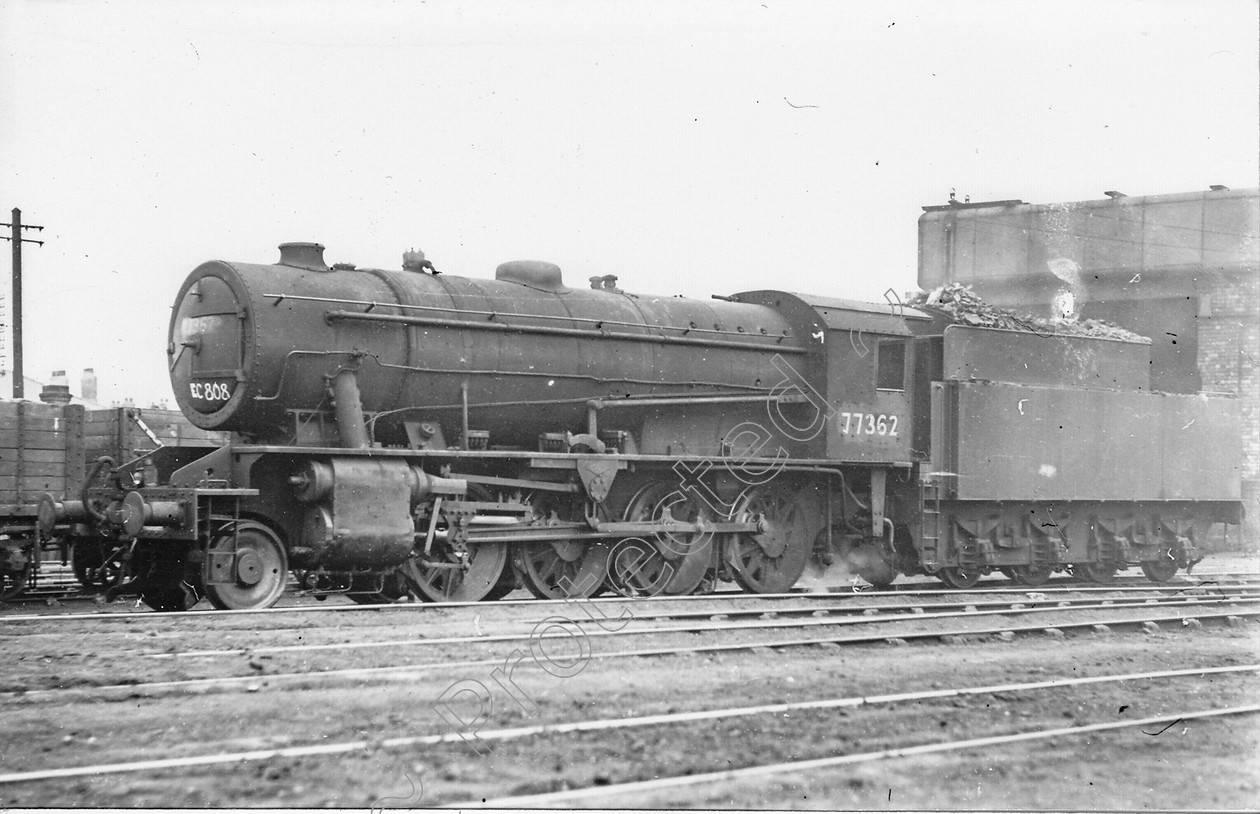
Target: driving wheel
{"x": 666, "y": 562}
{"x": 454, "y": 570}
{"x": 773, "y": 558}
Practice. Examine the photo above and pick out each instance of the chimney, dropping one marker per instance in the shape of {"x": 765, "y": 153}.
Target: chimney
{"x": 87, "y": 384}
{"x": 58, "y": 392}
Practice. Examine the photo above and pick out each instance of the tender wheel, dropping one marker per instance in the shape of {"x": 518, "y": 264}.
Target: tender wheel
{"x": 956, "y": 577}
{"x": 773, "y": 559}
{"x": 1099, "y": 572}
{"x": 246, "y": 567}
{"x": 1029, "y": 574}
{"x": 97, "y": 562}
{"x": 663, "y": 563}
{"x": 1162, "y": 569}
{"x": 15, "y": 574}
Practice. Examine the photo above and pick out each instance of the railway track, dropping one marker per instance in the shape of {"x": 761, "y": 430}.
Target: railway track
{"x": 662, "y": 634}
{"x": 1222, "y": 585}
{"x": 615, "y": 791}
{"x": 57, "y": 583}
{"x": 186, "y": 677}
{"x": 623, "y": 723}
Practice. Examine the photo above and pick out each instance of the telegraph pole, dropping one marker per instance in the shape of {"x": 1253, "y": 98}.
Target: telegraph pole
{"x": 16, "y": 227}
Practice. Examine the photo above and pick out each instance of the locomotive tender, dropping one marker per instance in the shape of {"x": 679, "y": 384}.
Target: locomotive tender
{"x": 404, "y": 432}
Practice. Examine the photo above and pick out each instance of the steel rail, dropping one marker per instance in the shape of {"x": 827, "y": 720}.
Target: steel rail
{"x": 722, "y": 596}
{"x": 923, "y": 607}
{"x": 677, "y": 781}
{"x": 603, "y": 724}
{"x": 408, "y": 672}
{"x": 907, "y": 614}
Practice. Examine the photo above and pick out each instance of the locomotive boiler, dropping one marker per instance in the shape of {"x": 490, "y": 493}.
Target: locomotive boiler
{"x": 408, "y": 433}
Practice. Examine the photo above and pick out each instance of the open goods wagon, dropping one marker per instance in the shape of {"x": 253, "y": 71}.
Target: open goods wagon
{"x": 48, "y": 449}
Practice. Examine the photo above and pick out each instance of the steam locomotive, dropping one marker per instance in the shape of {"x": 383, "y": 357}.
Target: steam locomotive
{"x": 408, "y": 433}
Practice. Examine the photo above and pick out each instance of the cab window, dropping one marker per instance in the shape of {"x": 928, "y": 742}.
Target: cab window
{"x": 890, "y": 364}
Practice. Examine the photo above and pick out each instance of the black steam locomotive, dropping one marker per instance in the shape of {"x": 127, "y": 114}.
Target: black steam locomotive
{"x": 404, "y": 432}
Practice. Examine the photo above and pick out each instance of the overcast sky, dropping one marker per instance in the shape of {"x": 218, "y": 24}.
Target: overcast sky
{"x": 689, "y": 148}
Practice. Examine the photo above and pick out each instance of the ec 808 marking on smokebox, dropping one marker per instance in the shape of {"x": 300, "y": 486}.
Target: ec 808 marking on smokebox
{"x": 210, "y": 391}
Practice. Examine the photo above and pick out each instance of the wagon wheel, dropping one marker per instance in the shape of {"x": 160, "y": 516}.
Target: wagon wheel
{"x": 1099, "y": 572}
{"x": 772, "y": 559}
{"x": 14, "y": 580}
{"x": 97, "y": 562}
{"x": 251, "y": 569}
{"x": 665, "y": 562}
{"x": 1162, "y": 568}
{"x": 453, "y": 571}
{"x": 957, "y": 577}
{"x": 1031, "y": 575}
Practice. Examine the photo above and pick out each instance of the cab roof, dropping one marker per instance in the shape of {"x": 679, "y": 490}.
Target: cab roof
{"x": 837, "y": 314}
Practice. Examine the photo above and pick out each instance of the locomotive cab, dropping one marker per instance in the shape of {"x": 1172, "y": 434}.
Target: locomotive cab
{"x": 862, "y": 364}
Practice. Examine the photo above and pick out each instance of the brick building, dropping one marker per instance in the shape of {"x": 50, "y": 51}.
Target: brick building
{"x": 1183, "y": 269}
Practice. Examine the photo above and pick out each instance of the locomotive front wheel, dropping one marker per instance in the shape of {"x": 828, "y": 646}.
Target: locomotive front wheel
{"x": 246, "y": 567}
{"x": 771, "y": 560}
{"x": 960, "y": 578}
{"x": 1162, "y": 569}
{"x": 563, "y": 569}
